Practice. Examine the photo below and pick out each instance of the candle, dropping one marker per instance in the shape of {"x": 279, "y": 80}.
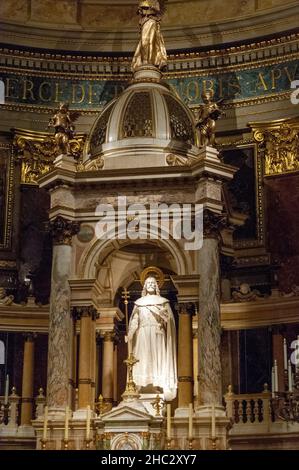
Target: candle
{"x": 272, "y": 383}
{"x": 66, "y": 424}
{"x": 290, "y": 377}
{"x": 285, "y": 355}
{"x": 6, "y": 390}
{"x": 168, "y": 409}
{"x": 213, "y": 422}
{"x": 88, "y": 423}
{"x": 45, "y": 423}
{"x": 190, "y": 421}
{"x": 275, "y": 376}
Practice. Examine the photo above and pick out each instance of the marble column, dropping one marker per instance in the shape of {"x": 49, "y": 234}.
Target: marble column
{"x": 195, "y": 363}
{"x": 277, "y": 348}
{"x": 185, "y": 355}
{"x": 27, "y": 382}
{"x": 93, "y": 364}
{"x": 73, "y": 380}
{"x": 107, "y": 378}
{"x": 98, "y": 363}
{"x": 115, "y": 381}
{"x": 60, "y": 322}
{"x": 87, "y": 315}
{"x": 209, "y": 324}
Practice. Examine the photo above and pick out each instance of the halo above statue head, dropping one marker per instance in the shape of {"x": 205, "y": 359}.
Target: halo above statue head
{"x": 150, "y": 4}
{"x": 152, "y": 271}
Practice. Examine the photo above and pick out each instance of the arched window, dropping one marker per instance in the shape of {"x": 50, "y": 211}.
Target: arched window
{"x": 2, "y": 353}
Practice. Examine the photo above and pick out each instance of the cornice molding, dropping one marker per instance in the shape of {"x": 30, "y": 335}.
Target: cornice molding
{"x": 260, "y": 313}
{"x": 234, "y": 315}
{"x": 79, "y": 36}
{"x": 66, "y": 65}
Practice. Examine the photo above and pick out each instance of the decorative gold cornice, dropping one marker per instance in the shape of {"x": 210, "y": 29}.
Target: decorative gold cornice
{"x": 37, "y": 151}
{"x": 278, "y": 145}
{"x": 212, "y": 53}
{"x": 182, "y": 69}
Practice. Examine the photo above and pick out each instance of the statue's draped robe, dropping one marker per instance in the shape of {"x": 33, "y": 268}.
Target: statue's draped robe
{"x": 152, "y": 340}
{"x": 151, "y": 48}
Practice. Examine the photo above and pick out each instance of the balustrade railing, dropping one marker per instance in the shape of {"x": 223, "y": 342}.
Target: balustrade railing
{"x": 254, "y": 408}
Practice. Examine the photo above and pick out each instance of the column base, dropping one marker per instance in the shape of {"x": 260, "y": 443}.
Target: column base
{"x": 182, "y": 412}
{"x": 81, "y": 414}
{"x": 26, "y": 430}
{"x": 56, "y": 413}
{"x": 205, "y": 411}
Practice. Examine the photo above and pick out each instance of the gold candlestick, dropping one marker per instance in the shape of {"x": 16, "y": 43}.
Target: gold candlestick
{"x": 168, "y": 444}
{"x": 65, "y": 444}
{"x": 43, "y": 443}
{"x": 157, "y": 405}
{"x": 87, "y": 443}
{"x": 190, "y": 443}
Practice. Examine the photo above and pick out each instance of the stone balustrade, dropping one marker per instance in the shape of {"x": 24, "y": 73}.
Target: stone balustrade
{"x": 249, "y": 408}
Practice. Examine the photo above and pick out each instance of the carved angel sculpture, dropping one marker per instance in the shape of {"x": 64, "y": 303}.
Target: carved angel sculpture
{"x": 206, "y": 119}
{"x": 151, "y": 48}
{"x": 63, "y": 123}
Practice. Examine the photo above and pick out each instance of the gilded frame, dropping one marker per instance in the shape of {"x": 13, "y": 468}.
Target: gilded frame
{"x": 6, "y": 155}
{"x": 259, "y": 240}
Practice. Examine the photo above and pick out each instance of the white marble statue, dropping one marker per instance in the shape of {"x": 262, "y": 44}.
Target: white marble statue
{"x": 152, "y": 339}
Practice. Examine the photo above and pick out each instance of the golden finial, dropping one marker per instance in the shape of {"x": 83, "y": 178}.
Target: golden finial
{"x": 101, "y": 406}
{"x": 157, "y": 405}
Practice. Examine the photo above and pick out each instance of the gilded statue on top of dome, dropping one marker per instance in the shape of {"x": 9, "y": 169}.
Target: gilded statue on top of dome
{"x": 151, "y": 48}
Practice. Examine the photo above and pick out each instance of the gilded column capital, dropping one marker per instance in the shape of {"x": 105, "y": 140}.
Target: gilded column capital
{"x": 62, "y": 230}
{"x": 29, "y": 336}
{"x": 185, "y": 308}
{"x": 212, "y": 224}
{"x": 109, "y": 336}
{"x": 84, "y": 311}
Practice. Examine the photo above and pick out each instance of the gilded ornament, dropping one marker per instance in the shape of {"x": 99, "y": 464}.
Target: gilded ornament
{"x": 206, "y": 118}
{"x": 245, "y": 294}
{"x": 37, "y": 151}
{"x": 179, "y": 160}
{"x": 151, "y": 48}
{"x": 4, "y": 298}
{"x": 63, "y": 123}
{"x": 279, "y": 146}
